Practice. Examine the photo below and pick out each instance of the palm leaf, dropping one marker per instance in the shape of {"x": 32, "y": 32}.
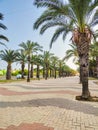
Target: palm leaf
{"x": 4, "y": 38}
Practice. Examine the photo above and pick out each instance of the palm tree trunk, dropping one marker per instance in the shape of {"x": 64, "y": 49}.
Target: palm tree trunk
{"x": 43, "y": 72}
{"x": 80, "y": 75}
{"x": 28, "y": 76}
{"x": 37, "y": 75}
{"x": 22, "y": 68}
{"x": 8, "y": 73}
{"x": 55, "y": 73}
{"x": 83, "y": 51}
{"x": 46, "y": 73}
{"x": 31, "y": 70}
{"x": 60, "y": 72}
{"x": 85, "y": 72}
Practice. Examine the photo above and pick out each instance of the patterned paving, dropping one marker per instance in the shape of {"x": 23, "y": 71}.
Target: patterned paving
{"x": 26, "y": 126}
{"x": 47, "y": 105}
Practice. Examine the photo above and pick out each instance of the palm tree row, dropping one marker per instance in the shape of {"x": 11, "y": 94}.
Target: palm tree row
{"x": 28, "y": 53}
{"x": 75, "y": 17}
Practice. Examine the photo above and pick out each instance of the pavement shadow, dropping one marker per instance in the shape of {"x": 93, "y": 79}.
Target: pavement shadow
{"x": 57, "y": 102}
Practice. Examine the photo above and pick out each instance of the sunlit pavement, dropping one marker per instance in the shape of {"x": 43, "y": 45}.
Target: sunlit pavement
{"x": 47, "y": 105}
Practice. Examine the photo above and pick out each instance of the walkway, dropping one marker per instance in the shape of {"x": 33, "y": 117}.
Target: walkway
{"x": 47, "y": 105}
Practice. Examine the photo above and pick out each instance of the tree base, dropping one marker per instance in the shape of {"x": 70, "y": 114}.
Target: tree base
{"x": 90, "y": 98}
{"x": 28, "y": 80}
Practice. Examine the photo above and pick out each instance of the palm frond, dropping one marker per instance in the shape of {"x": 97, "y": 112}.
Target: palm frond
{"x": 1, "y": 16}
{"x": 56, "y": 35}
{"x": 72, "y": 13}
{"x": 3, "y": 26}
{"x": 48, "y": 3}
{"x": 1, "y": 43}
{"x": 8, "y": 55}
{"x": 51, "y": 24}
{"x": 3, "y": 38}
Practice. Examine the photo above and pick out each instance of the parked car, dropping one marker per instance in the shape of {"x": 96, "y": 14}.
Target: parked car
{"x": 18, "y": 76}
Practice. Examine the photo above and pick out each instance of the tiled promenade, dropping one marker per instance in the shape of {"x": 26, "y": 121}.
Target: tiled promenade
{"x": 47, "y": 105}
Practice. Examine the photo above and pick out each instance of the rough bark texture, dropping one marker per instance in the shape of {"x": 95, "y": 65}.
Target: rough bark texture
{"x": 32, "y": 70}
{"x": 37, "y": 75}
{"x": 83, "y": 51}
{"x": 80, "y": 74}
{"x": 46, "y": 73}
{"x": 8, "y": 73}
{"x": 22, "y": 66}
{"x": 28, "y": 76}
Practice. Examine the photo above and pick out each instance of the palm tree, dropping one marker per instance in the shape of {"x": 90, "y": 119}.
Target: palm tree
{"x": 29, "y": 48}
{"x": 61, "y": 64}
{"x": 73, "y": 53}
{"x": 54, "y": 62}
{"x": 32, "y": 64}
{"x": 38, "y": 63}
{"x": 9, "y": 56}
{"x": 73, "y": 16}
{"x": 33, "y": 59}
{"x": 46, "y": 62}
{"x": 2, "y": 26}
{"x": 22, "y": 59}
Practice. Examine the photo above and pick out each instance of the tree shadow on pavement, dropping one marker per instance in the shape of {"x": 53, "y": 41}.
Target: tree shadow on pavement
{"x": 56, "y": 102}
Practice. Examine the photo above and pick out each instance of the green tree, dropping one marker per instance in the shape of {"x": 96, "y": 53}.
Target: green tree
{"x": 38, "y": 63}
{"x": 73, "y": 53}
{"x": 73, "y": 16}
{"x": 29, "y": 48}
{"x": 46, "y": 63}
{"x": 8, "y": 56}
{"x": 22, "y": 59}
{"x": 61, "y": 64}
{"x": 2, "y": 26}
{"x": 54, "y": 62}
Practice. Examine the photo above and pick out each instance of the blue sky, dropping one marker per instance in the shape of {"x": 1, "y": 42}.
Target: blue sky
{"x": 19, "y": 17}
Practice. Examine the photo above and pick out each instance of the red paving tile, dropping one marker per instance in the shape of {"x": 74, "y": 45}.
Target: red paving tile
{"x": 6, "y": 92}
{"x": 26, "y": 126}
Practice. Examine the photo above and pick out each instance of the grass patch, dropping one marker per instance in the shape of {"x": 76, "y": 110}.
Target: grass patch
{"x": 9, "y": 81}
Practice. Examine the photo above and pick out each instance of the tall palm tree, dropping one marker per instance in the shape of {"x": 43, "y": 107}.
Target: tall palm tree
{"x": 73, "y": 53}
{"x": 8, "y": 56}
{"x": 22, "y": 59}
{"x": 32, "y": 64}
{"x": 54, "y": 62}
{"x": 61, "y": 64}
{"x": 2, "y": 26}
{"x": 29, "y": 48}
{"x": 46, "y": 62}
{"x": 33, "y": 59}
{"x": 77, "y": 17}
{"x": 38, "y": 63}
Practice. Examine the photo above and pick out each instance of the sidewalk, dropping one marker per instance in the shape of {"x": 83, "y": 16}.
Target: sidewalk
{"x": 47, "y": 105}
